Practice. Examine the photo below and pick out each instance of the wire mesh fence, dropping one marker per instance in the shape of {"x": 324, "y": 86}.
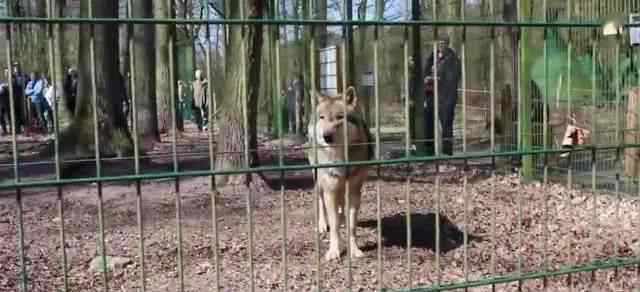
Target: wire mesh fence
{"x": 100, "y": 201}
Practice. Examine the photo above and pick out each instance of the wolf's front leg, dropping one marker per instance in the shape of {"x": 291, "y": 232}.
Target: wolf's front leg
{"x": 353, "y": 222}
{"x": 322, "y": 221}
{"x": 331, "y": 201}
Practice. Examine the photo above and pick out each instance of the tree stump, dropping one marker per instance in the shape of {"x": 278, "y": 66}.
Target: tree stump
{"x": 632, "y": 155}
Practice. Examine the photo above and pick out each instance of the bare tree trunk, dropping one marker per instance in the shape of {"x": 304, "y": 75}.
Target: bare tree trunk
{"x": 145, "y": 85}
{"x": 163, "y": 82}
{"x": 322, "y": 30}
{"x": 64, "y": 114}
{"x": 231, "y": 108}
{"x": 114, "y": 136}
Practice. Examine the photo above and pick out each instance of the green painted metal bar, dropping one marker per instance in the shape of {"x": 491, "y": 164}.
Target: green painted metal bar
{"x": 56, "y": 144}
{"x": 619, "y": 138}
{"x": 465, "y": 178}
{"x": 213, "y": 122}
{"x": 413, "y": 159}
{"x": 593, "y": 266}
{"x": 228, "y": 21}
{"x": 437, "y": 135}
{"x": 174, "y": 150}
{"x": 545, "y": 144}
{"x": 96, "y": 137}
{"x": 492, "y": 143}
{"x": 278, "y": 109}
{"x": 346, "y": 49}
{"x": 594, "y": 126}
{"x": 570, "y": 40}
{"x": 314, "y": 149}
{"x": 407, "y": 101}
{"x": 245, "y": 122}
{"x": 376, "y": 83}
{"x": 136, "y": 146}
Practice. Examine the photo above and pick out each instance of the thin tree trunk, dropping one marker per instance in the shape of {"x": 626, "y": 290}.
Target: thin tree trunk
{"x": 232, "y": 108}
{"x": 145, "y": 85}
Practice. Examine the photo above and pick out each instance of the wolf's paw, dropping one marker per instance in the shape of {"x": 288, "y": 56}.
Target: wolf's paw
{"x": 323, "y": 227}
{"x": 332, "y": 254}
{"x": 356, "y": 252}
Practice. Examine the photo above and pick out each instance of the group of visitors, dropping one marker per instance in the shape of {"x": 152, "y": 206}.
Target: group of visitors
{"x": 33, "y": 99}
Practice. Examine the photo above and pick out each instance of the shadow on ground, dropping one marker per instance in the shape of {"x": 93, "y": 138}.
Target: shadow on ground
{"x": 423, "y": 231}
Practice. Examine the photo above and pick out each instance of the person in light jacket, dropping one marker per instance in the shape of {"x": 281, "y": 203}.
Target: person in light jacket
{"x": 199, "y": 102}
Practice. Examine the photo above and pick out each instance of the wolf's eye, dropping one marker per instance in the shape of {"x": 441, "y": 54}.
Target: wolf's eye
{"x": 322, "y": 117}
{"x": 339, "y": 117}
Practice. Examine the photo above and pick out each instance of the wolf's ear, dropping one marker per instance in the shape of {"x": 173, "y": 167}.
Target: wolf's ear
{"x": 352, "y": 98}
{"x": 319, "y": 97}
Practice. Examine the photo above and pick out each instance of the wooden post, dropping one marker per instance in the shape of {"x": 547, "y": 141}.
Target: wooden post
{"x": 506, "y": 109}
{"x": 632, "y": 155}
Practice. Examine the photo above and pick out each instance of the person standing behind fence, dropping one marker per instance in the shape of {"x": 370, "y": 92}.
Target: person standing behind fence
{"x": 35, "y": 92}
{"x": 5, "y": 104}
{"x": 18, "y": 95}
{"x": 199, "y": 101}
{"x": 70, "y": 88}
{"x": 448, "y": 76}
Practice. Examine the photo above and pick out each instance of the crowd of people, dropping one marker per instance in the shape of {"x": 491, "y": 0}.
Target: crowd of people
{"x": 33, "y": 98}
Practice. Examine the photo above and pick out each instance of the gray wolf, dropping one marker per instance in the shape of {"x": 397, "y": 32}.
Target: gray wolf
{"x": 327, "y": 128}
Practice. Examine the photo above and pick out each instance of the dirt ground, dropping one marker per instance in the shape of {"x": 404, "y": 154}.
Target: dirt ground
{"x": 574, "y": 235}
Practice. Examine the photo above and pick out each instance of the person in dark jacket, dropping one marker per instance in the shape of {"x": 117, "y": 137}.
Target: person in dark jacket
{"x": 448, "y": 77}
{"x": 70, "y": 89}
{"x": 5, "y": 104}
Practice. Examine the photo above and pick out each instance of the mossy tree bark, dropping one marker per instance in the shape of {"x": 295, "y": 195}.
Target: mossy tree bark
{"x": 232, "y": 139}
{"x": 114, "y": 137}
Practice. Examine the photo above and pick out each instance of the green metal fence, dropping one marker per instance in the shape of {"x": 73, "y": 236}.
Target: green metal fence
{"x": 599, "y": 161}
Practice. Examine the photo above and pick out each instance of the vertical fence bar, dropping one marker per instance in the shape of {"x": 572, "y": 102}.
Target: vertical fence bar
{"x": 407, "y": 144}
{"x": 314, "y": 143}
{"x": 437, "y": 136}
{"x": 174, "y": 146}
{"x": 570, "y": 91}
{"x": 618, "y": 139}
{"x": 212, "y": 120}
{"x": 346, "y": 49}
{"x": 569, "y": 88}
{"x": 465, "y": 177}
{"x": 136, "y": 144}
{"x": 376, "y": 93}
{"x": 96, "y": 136}
{"x": 545, "y": 139}
{"x": 56, "y": 144}
{"x": 245, "y": 119}
{"x": 594, "y": 87}
{"x": 16, "y": 165}
{"x": 283, "y": 199}
{"x": 521, "y": 138}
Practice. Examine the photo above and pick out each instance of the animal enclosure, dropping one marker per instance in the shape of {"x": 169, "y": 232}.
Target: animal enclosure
{"x": 136, "y": 186}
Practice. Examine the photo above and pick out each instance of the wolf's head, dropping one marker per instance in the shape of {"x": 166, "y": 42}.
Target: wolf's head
{"x": 329, "y": 121}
